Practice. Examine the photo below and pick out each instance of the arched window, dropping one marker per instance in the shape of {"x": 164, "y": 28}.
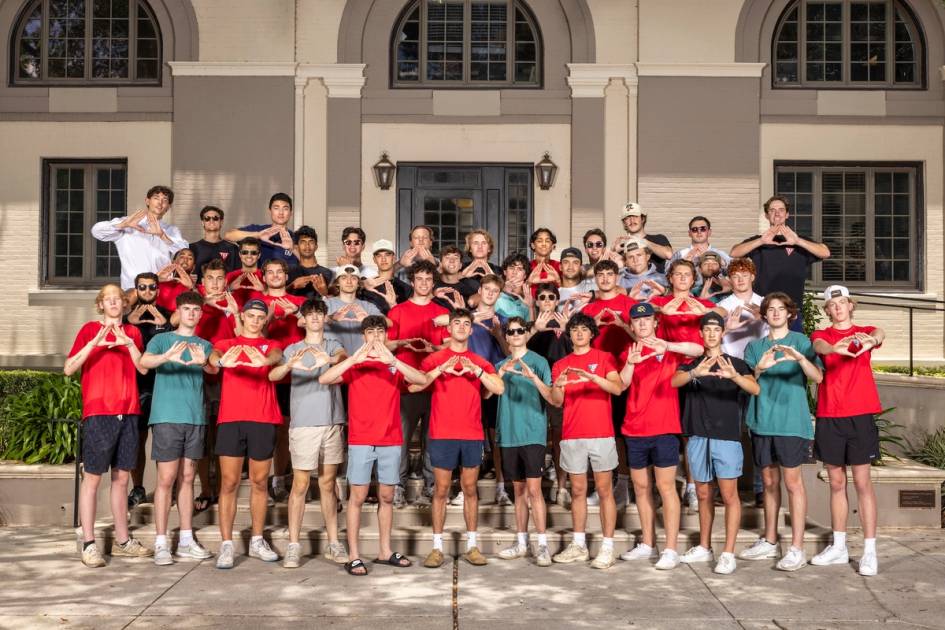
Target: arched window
{"x": 847, "y": 44}
{"x": 455, "y": 43}
{"x": 86, "y": 42}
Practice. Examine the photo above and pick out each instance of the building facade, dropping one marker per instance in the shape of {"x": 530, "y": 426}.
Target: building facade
{"x": 690, "y": 107}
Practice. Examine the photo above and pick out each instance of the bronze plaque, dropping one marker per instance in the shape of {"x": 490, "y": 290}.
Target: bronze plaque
{"x": 917, "y": 499}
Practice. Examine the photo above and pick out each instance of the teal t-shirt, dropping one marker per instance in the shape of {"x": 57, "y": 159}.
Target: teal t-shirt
{"x": 510, "y": 306}
{"x": 781, "y": 407}
{"x": 521, "y": 419}
{"x": 178, "y": 389}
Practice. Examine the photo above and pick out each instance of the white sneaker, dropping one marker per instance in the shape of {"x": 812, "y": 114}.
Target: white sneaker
{"x": 261, "y": 549}
{"x": 399, "y": 499}
{"x": 459, "y": 499}
{"x": 502, "y": 498}
{"x": 831, "y": 555}
{"x": 543, "y": 556}
{"x": 92, "y": 557}
{"x": 564, "y": 497}
{"x": 225, "y": 556}
{"x": 868, "y": 564}
{"x": 761, "y": 550}
{"x": 162, "y": 555}
{"x": 513, "y": 552}
{"x": 669, "y": 559}
{"x": 293, "y": 556}
{"x": 726, "y": 564}
{"x": 593, "y": 498}
{"x": 604, "y": 559}
{"x": 697, "y": 554}
{"x": 640, "y": 552}
{"x": 792, "y": 561}
{"x": 336, "y": 552}
{"x": 691, "y": 500}
{"x": 194, "y": 551}
{"x": 572, "y": 553}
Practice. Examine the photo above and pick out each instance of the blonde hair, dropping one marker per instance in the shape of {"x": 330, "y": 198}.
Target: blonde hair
{"x": 488, "y": 236}
{"x": 100, "y": 296}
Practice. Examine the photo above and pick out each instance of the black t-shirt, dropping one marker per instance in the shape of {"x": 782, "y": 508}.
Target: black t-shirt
{"x": 466, "y": 286}
{"x": 148, "y": 330}
{"x": 714, "y": 406}
{"x": 308, "y": 291}
{"x": 550, "y": 345}
{"x": 402, "y": 290}
{"x": 205, "y": 251}
{"x": 777, "y": 270}
{"x": 659, "y": 239}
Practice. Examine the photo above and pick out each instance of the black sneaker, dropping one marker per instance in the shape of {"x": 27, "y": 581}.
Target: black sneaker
{"x": 136, "y": 497}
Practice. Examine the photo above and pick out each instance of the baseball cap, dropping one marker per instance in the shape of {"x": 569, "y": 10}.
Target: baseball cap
{"x": 835, "y": 291}
{"x": 712, "y": 318}
{"x": 348, "y": 269}
{"x": 631, "y": 244}
{"x": 572, "y": 252}
{"x": 382, "y": 245}
{"x": 255, "y": 305}
{"x": 632, "y": 209}
{"x": 710, "y": 255}
{"x": 642, "y": 309}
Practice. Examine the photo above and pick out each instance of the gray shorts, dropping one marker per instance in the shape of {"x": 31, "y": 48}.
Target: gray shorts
{"x": 170, "y": 441}
{"x": 361, "y": 460}
{"x": 602, "y": 453}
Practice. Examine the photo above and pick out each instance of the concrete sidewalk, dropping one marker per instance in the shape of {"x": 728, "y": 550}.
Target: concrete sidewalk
{"x": 44, "y": 585}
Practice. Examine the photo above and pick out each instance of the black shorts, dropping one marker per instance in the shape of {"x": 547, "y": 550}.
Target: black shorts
{"x": 283, "y": 396}
{"x": 490, "y": 411}
{"x": 523, "y": 462}
{"x": 846, "y": 441}
{"x": 256, "y": 440}
{"x": 109, "y": 441}
{"x": 786, "y": 450}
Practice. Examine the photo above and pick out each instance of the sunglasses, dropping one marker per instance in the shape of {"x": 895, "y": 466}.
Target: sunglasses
{"x": 211, "y": 218}
{"x": 249, "y": 252}
{"x": 147, "y": 287}
{"x": 699, "y": 228}
{"x": 594, "y": 245}
{"x": 546, "y": 298}
{"x": 352, "y": 243}
{"x": 514, "y": 332}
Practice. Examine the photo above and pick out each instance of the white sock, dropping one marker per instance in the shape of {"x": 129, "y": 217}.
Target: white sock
{"x": 186, "y": 537}
{"x": 579, "y": 539}
{"x": 690, "y": 487}
{"x": 869, "y": 546}
{"x": 438, "y": 542}
{"x": 607, "y": 543}
{"x": 255, "y": 539}
{"x": 840, "y": 540}
{"x": 543, "y": 539}
{"x": 470, "y": 540}
{"x": 522, "y": 538}
{"x": 160, "y": 541}
{"x": 645, "y": 547}
{"x": 227, "y": 542}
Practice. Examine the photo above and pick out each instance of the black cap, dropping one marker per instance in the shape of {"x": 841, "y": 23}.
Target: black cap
{"x": 572, "y": 252}
{"x": 712, "y": 318}
{"x": 642, "y": 309}
{"x": 255, "y": 305}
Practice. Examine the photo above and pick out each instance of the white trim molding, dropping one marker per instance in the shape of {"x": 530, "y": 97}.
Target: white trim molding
{"x": 232, "y": 68}
{"x": 589, "y": 80}
{"x": 343, "y": 80}
{"x": 750, "y": 70}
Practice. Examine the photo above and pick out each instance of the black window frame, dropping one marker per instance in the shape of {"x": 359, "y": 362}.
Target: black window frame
{"x": 915, "y": 284}
{"x": 47, "y": 210}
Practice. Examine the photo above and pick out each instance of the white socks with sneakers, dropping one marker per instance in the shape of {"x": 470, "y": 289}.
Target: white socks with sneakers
{"x": 580, "y": 539}
{"x": 522, "y": 538}
{"x": 869, "y": 546}
{"x": 840, "y": 540}
{"x": 470, "y": 540}
{"x": 186, "y": 537}
{"x": 438, "y": 542}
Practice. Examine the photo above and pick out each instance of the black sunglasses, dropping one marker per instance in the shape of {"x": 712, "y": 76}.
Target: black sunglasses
{"x": 352, "y": 243}
{"x": 249, "y": 252}
{"x": 593, "y": 245}
{"x": 699, "y": 228}
{"x": 212, "y": 218}
{"x": 548, "y": 297}
{"x": 147, "y": 287}
{"x": 515, "y": 331}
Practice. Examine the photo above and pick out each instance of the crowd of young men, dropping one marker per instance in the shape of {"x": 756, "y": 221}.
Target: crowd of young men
{"x": 243, "y": 352}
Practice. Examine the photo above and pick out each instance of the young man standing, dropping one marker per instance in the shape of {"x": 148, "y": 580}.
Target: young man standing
{"x": 457, "y": 375}
{"x": 639, "y": 276}
{"x": 715, "y": 386}
{"x": 700, "y": 231}
{"x": 384, "y": 290}
{"x": 651, "y": 429}
{"x": 275, "y": 237}
{"x": 452, "y": 289}
{"x": 178, "y": 424}
{"x": 213, "y": 245}
{"x": 316, "y": 428}
{"x": 633, "y": 218}
{"x": 516, "y": 296}
{"x": 144, "y": 242}
{"x": 346, "y": 311}
{"x": 846, "y": 435}
{"x": 107, "y": 352}
{"x": 575, "y": 285}
{"x": 353, "y": 241}
{"x": 246, "y": 426}
{"x": 543, "y": 267}
{"x": 374, "y": 377}
{"x": 175, "y": 279}
{"x": 479, "y": 247}
{"x": 421, "y": 248}
{"x": 308, "y": 279}
{"x": 779, "y": 421}
{"x": 246, "y": 281}
{"x": 595, "y": 246}
{"x": 522, "y": 433}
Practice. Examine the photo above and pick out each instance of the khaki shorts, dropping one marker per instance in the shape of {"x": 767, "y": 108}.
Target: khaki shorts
{"x": 601, "y": 452}
{"x": 312, "y": 446}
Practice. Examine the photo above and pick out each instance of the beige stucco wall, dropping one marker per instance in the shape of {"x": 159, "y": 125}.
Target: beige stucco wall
{"x": 921, "y": 143}
{"x": 688, "y": 31}
{"x": 317, "y": 30}
{"x": 615, "y": 30}
{"x": 246, "y": 30}
{"x": 49, "y": 330}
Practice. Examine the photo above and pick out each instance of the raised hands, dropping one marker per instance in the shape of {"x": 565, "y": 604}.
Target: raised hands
{"x": 132, "y": 221}
{"x": 352, "y": 312}
{"x": 419, "y": 344}
{"x": 285, "y": 239}
{"x": 254, "y": 358}
{"x": 388, "y": 293}
{"x": 854, "y": 345}
{"x": 451, "y": 295}
{"x": 477, "y": 268}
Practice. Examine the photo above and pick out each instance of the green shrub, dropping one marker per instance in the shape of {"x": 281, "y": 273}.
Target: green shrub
{"x": 28, "y": 428}
{"x": 888, "y": 436}
{"x": 932, "y": 451}
{"x": 937, "y": 371}
{"x": 19, "y": 381}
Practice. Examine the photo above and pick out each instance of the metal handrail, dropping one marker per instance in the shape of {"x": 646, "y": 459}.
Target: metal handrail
{"x": 78, "y": 466}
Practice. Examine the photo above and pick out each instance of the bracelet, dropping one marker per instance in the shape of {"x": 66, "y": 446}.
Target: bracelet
{"x": 481, "y": 370}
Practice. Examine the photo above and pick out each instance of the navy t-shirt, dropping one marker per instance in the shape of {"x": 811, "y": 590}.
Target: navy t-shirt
{"x": 268, "y": 251}
{"x": 204, "y": 252}
{"x": 308, "y": 291}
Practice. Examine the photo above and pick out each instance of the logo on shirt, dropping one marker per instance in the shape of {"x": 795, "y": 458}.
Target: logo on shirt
{"x": 393, "y": 369}
{"x": 224, "y": 255}
{"x": 592, "y": 366}
{"x": 264, "y": 347}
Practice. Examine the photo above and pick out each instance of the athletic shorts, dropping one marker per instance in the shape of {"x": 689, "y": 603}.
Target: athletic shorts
{"x": 788, "y": 451}
{"x": 361, "y": 460}
{"x": 602, "y": 453}
{"x": 448, "y": 454}
{"x": 311, "y": 446}
{"x": 170, "y": 441}
{"x": 523, "y": 462}
{"x": 661, "y": 451}
{"x": 710, "y": 458}
{"x": 555, "y": 416}
{"x": 283, "y": 396}
{"x": 846, "y": 441}
{"x": 256, "y": 440}
{"x": 109, "y": 442}
{"x": 490, "y": 411}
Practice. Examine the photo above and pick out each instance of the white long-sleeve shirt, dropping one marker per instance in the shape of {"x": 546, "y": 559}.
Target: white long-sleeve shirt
{"x": 139, "y": 252}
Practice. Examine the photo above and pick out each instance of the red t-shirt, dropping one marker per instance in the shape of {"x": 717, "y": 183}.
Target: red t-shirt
{"x": 848, "y": 388}
{"x": 109, "y": 378}
{"x": 683, "y": 326}
{"x": 167, "y": 294}
{"x": 652, "y": 401}
{"x": 247, "y": 394}
{"x": 612, "y": 338}
{"x": 214, "y": 323}
{"x": 374, "y": 404}
{"x": 456, "y": 405}
{"x": 410, "y": 320}
{"x": 543, "y": 276}
{"x": 586, "y": 406}
{"x": 243, "y": 294}
{"x": 284, "y": 328}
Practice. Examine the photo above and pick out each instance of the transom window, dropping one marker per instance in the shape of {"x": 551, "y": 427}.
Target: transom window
{"x": 87, "y": 41}
{"x": 867, "y": 216}
{"x": 466, "y": 43}
{"x": 848, "y": 44}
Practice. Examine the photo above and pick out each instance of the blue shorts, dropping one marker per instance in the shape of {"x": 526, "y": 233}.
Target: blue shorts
{"x": 661, "y": 451}
{"x": 448, "y": 454}
{"x": 361, "y": 461}
{"x": 710, "y": 458}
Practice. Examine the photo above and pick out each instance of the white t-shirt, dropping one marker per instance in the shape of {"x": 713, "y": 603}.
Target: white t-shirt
{"x": 734, "y": 343}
